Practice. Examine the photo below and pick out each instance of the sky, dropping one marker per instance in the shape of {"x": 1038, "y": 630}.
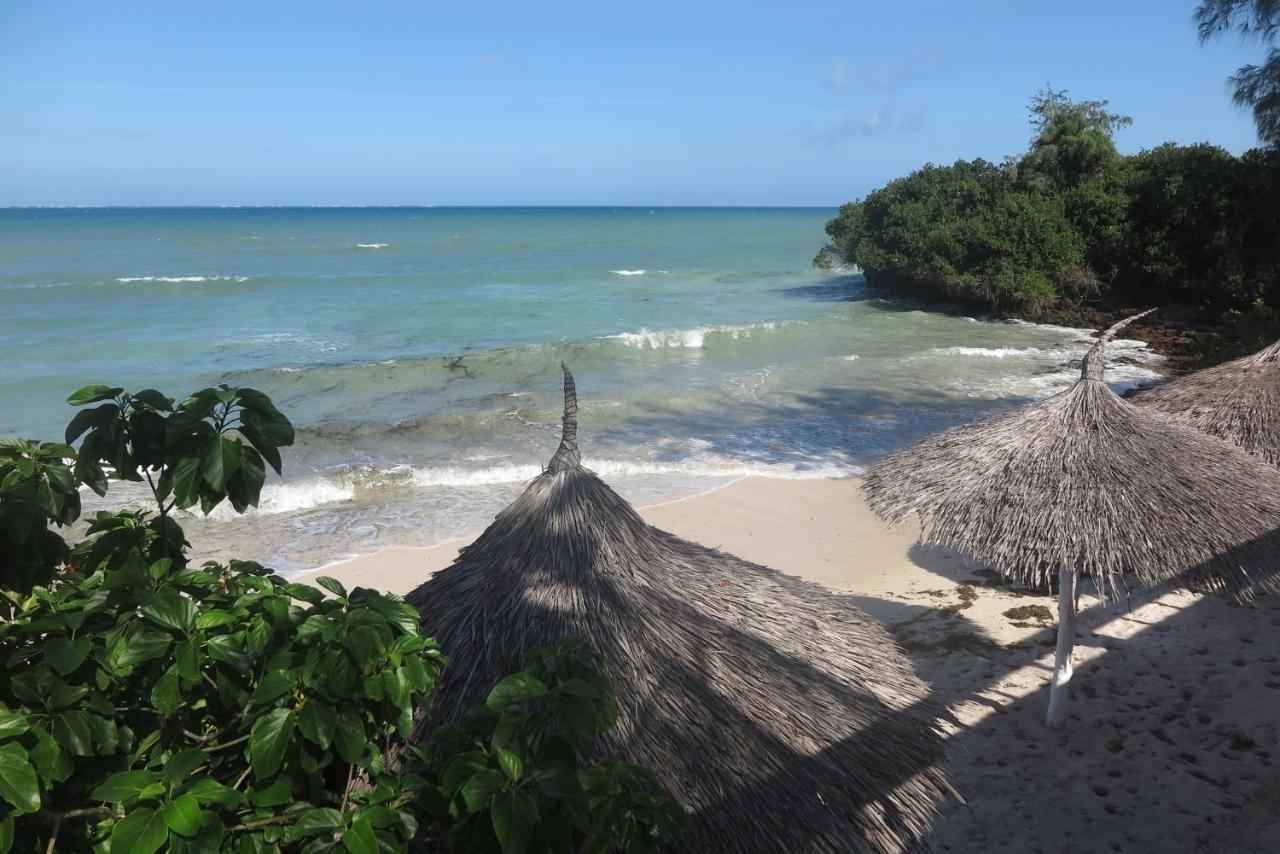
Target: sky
{"x": 652, "y": 103}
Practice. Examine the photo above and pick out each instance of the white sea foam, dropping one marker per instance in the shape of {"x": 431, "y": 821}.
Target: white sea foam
{"x": 294, "y": 496}
{"x": 852, "y": 357}
{"x": 181, "y": 279}
{"x": 311, "y": 493}
{"x": 994, "y": 352}
{"x": 372, "y": 245}
{"x": 695, "y": 338}
{"x": 629, "y": 272}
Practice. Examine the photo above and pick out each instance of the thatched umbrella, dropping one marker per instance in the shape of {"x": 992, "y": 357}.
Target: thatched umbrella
{"x": 1084, "y": 481}
{"x": 780, "y": 715}
{"x": 1238, "y": 401}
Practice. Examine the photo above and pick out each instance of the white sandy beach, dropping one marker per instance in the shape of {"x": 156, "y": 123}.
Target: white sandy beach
{"x": 1172, "y": 734}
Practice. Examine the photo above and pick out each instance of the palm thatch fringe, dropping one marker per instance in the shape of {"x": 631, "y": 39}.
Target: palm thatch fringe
{"x": 1084, "y": 481}
{"x": 1238, "y": 401}
{"x": 1087, "y": 479}
{"x": 782, "y": 717}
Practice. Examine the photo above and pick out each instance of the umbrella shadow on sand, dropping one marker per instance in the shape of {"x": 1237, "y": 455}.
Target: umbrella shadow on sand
{"x": 1170, "y": 736}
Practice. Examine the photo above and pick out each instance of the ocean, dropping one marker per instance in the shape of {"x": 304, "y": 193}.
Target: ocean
{"x": 418, "y": 350}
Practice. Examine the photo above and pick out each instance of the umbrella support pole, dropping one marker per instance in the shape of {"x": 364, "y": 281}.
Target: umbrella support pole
{"x": 1062, "y": 669}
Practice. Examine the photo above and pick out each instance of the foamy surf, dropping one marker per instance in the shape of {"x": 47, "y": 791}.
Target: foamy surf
{"x": 181, "y": 279}
{"x": 695, "y": 338}
{"x": 628, "y": 272}
{"x": 372, "y": 245}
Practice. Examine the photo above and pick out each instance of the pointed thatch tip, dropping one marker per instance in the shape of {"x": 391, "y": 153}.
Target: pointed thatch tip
{"x": 567, "y": 455}
{"x": 1095, "y": 361}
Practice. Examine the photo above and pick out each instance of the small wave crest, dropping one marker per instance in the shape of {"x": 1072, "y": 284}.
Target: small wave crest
{"x": 366, "y": 483}
{"x": 695, "y": 338}
{"x": 181, "y": 279}
{"x": 372, "y": 245}
{"x": 628, "y": 272}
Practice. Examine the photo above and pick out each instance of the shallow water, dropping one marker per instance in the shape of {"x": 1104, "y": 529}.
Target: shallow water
{"x": 418, "y": 351}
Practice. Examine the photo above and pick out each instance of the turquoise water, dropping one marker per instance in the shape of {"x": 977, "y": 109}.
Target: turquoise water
{"x": 418, "y": 351}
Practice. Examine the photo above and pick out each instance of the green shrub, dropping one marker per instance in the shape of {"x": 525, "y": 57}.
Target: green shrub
{"x": 148, "y": 704}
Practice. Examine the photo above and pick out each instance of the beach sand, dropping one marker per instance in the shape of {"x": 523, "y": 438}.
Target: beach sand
{"x": 1172, "y": 734}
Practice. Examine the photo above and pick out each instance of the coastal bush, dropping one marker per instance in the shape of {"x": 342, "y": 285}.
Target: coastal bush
{"x": 964, "y": 232}
{"x": 148, "y": 704}
{"x": 1073, "y": 222}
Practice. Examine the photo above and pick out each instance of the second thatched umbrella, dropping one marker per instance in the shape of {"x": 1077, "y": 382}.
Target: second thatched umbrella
{"x": 1238, "y": 401}
{"x": 783, "y": 717}
{"x": 1084, "y": 481}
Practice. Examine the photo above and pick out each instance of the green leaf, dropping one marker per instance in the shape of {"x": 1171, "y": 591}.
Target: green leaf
{"x": 213, "y": 618}
{"x": 186, "y": 480}
{"x": 186, "y": 656}
{"x": 317, "y": 720}
{"x": 516, "y": 688}
{"x": 227, "y": 649}
{"x": 164, "y": 693}
{"x": 274, "y": 795}
{"x": 92, "y": 394}
{"x": 510, "y": 764}
{"x": 71, "y": 730}
{"x": 558, "y": 780}
{"x": 360, "y": 839}
{"x": 12, "y": 723}
{"x": 275, "y": 684}
{"x": 142, "y": 645}
{"x": 18, "y": 783}
{"x": 333, "y": 585}
{"x": 82, "y": 421}
{"x": 154, "y": 399}
{"x": 183, "y": 764}
{"x": 123, "y": 787}
{"x": 219, "y": 460}
{"x": 514, "y": 817}
{"x": 207, "y": 790}
{"x": 171, "y": 609}
{"x": 349, "y": 737}
{"x": 321, "y": 820}
{"x": 477, "y": 791}
{"x": 142, "y": 831}
{"x": 268, "y": 740}
{"x": 183, "y": 815}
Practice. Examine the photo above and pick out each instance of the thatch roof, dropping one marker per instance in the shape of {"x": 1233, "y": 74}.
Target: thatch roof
{"x": 1086, "y": 479}
{"x": 779, "y": 714}
{"x": 1238, "y": 401}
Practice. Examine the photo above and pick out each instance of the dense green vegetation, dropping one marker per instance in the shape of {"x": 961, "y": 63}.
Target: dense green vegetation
{"x": 149, "y": 704}
{"x": 1073, "y": 223}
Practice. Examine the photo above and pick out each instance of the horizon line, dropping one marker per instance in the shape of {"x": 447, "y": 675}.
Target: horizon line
{"x": 419, "y": 207}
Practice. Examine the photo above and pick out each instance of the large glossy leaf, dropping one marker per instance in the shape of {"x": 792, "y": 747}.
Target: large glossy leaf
{"x": 142, "y": 831}
{"x": 18, "y": 783}
{"x": 92, "y": 394}
{"x": 172, "y": 610}
{"x": 219, "y": 460}
{"x": 124, "y": 786}
{"x": 269, "y": 739}
{"x": 317, "y": 721}
{"x": 516, "y": 688}
{"x": 514, "y": 816}
{"x": 360, "y": 839}
{"x": 12, "y": 723}
{"x": 182, "y": 815}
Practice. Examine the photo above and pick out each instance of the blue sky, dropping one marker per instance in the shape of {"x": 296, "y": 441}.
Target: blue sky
{"x": 795, "y": 103}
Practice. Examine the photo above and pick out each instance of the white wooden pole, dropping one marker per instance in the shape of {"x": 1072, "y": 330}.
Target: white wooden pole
{"x": 1062, "y": 669}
